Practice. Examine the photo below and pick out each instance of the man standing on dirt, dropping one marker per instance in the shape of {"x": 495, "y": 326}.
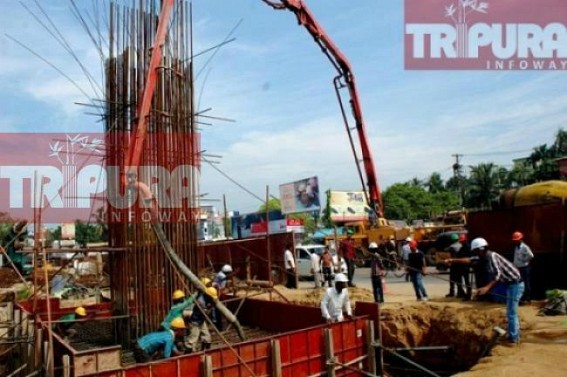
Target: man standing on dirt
{"x": 376, "y": 273}
{"x": 416, "y": 270}
{"x": 348, "y": 250}
{"x": 455, "y": 277}
{"x": 289, "y": 261}
{"x": 327, "y": 266}
{"x": 406, "y": 251}
{"x": 335, "y": 300}
{"x": 504, "y": 272}
{"x": 522, "y": 259}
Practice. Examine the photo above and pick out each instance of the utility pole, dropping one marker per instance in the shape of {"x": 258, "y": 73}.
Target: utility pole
{"x": 457, "y": 173}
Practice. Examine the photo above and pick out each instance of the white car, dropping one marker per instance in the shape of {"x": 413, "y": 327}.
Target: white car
{"x": 303, "y": 259}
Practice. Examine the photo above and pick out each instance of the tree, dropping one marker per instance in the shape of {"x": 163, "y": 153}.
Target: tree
{"x": 85, "y": 233}
{"x": 483, "y": 185}
{"x": 273, "y": 204}
{"x": 435, "y": 183}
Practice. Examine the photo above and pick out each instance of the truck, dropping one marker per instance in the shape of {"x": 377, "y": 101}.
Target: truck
{"x": 539, "y": 211}
{"x": 377, "y": 228}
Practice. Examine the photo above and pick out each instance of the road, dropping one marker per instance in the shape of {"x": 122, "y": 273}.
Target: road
{"x": 397, "y": 289}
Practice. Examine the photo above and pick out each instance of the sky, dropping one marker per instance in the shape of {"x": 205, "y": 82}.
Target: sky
{"x": 276, "y": 84}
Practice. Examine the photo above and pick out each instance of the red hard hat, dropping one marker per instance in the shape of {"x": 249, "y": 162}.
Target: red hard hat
{"x": 413, "y": 244}
{"x": 462, "y": 237}
{"x": 517, "y": 236}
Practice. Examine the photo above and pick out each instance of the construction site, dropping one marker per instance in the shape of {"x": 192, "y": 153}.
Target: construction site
{"x": 126, "y": 285}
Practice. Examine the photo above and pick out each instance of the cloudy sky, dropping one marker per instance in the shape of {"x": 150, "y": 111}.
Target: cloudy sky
{"x": 277, "y": 85}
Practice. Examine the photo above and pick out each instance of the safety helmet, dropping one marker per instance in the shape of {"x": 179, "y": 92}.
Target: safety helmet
{"x": 517, "y": 236}
{"x": 462, "y": 237}
{"x": 408, "y": 239}
{"x": 341, "y": 278}
{"x": 206, "y": 281}
{"x": 212, "y": 291}
{"x": 81, "y": 311}
{"x": 373, "y": 245}
{"x": 226, "y": 268}
{"x": 454, "y": 237}
{"x": 413, "y": 244}
{"x": 177, "y": 323}
{"x": 350, "y": 232}
{"x": 178, "y": 294}
{"x": 477, "y": 243}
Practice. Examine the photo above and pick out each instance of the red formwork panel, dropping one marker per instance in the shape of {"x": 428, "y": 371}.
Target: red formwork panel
{"x": 302, "y": 354}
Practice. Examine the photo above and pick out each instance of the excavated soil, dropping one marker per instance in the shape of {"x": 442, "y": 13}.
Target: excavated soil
{"x": 468, "y": 328}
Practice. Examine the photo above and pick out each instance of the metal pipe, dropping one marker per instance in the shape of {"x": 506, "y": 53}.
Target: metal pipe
{"x": 425, "y": 348}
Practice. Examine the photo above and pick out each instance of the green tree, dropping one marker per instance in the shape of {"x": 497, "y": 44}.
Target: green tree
{"x": 85, "y": 233}
{"x": 483, "y": 188}
{"x": 434, "y": 183}
{"x": 273, "y": 204}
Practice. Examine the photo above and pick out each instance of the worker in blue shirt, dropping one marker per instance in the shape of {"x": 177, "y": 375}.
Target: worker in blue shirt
{"x": 147, "y": 347}
{"x": 180, "y": 303}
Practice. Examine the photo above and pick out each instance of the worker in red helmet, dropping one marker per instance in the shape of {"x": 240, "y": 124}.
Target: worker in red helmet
{"x": 523, "y": 256}
{"x": 416, "y": 270}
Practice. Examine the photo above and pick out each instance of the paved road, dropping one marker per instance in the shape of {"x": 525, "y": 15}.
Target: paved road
{"x": 397, "y": 289}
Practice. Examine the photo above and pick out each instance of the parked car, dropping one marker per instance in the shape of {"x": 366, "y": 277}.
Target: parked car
{"x": 303, "y": 258}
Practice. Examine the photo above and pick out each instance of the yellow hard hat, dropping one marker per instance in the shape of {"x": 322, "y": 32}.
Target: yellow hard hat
{"x": 206, "y": 281}
{"x": 177, "y": 323}
{"x": 212, "y": 291}
{"x": 178, "y": 294}
{"x": 81, "y": 311}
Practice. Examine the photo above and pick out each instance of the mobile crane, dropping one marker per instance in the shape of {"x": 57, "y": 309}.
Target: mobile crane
{"x": 379, "y": 229}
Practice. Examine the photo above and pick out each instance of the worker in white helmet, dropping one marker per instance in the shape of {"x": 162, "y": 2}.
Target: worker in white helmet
{"x": 219, "y": 283}
{"x": 335, "y": 300}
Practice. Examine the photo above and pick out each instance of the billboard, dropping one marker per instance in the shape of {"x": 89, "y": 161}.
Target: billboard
{"x": 348, "y": 206}
{"x": 300, "y": 196}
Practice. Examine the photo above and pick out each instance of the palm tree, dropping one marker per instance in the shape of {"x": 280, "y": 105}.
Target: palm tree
{"x": 483, "y": 185}
{"x": 435, "y": 184}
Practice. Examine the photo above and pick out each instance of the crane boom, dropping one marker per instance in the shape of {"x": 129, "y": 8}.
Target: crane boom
{"x": 345, "y": 78}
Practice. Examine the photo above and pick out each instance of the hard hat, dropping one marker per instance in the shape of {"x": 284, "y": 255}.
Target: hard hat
{"x": 413, "y": 244}
{"x": 177, "y": 323}
{"x": 454, "y": 237}
{"x": 341, "y": 278}
{"x": 408, "y": 239}
{"x": 226, "y": 268}
{"x": 178, "y": 294}
{"x": 81, "y": 311}
{"x": 462, "y": 237}
{"x": 373, "y": 245}
{"x": 206, "y": 281}
{"x": 477, "y": 243}
{"x": 517, "y": 236}
{"x": 349, "y": 232}
{"x": 212, "y": 291}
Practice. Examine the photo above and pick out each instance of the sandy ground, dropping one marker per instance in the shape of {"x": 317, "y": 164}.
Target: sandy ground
{"x": 468, "y": 325}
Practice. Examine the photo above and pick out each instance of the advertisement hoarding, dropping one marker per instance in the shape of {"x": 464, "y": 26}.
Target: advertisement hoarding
{"x": 348, "y": 206}
{"x": 300, "y": 196}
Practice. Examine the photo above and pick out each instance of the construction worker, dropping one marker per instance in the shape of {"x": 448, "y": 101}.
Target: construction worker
{"x": 14, "y": 241}
{"x": 454, "y": 272}
{"x": 463, "y": 271}
{"x": 416, "y": 270}
{"x": 180, "y": 303}
{"x": 147, "y": 347}
{"x": 316, "y": 268}
{"x": 523, "y": 256}
{"x": 335, "y": 300}
{"x": 221, "y": 278}
{"x": 327, "y": 266}
{"x": 348, "y": 249}
{"x": 377, "y": 272}
{"x": 66, "y": 325}
{"x": 199, "y": 337}
{"x": 504, "y": 272}
{"x": 405, "y": 254}
{"x": 289, "y": 262}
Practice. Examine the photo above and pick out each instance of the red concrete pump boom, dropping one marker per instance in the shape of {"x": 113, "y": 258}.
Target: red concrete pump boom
{"x": 346, "y": 79}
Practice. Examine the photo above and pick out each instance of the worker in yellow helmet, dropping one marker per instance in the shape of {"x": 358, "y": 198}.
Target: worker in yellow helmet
{"x": 67, "y": 324}
{"x": 200, "y": 338}
{"x": 148, "y": 346}
{"x": 180, "y": 303}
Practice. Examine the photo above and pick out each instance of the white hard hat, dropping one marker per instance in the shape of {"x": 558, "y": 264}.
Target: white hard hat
{"x": 373, "y": 245}
{"x": 226, "y": 268}
{"x": 477, "y": 243}
{"x": 408, "y": 239}
{"x": 341, "y": 278}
